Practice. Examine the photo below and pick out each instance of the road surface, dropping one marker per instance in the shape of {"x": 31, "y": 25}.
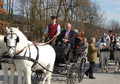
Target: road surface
{"x": 101, "y": 77}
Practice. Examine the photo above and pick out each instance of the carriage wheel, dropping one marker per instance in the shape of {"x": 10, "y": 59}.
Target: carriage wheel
{"x": 36, "y": 76}
{"x": 81, "y": 69}
{"x": 71, "y": 76}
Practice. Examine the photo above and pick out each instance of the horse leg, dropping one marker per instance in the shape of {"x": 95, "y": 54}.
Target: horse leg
{"x": 102, "y": 62}
{"x": 48, "y": 75}
{"x": 27, "y": 75}
{"x": 5, "y": 71}
{"x": 12, "y": 68}
{"x": 19, "y": 75}
{"x": 45, "y": 77}
{"x": 115, "y": 65}
{"x": 119, "y": 66}
{"x": 107, "y": 64}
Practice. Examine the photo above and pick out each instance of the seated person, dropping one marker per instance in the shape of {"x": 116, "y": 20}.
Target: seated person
{"x": 67, "y": 40}
{"x": 80, "y": 46}
{"x": 78, "y": 39}
{"x": 52, "y": 30}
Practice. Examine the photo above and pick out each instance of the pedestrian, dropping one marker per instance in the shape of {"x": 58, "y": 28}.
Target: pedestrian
{"x": 52, "y": 30}
{"x": 92, "y": 58}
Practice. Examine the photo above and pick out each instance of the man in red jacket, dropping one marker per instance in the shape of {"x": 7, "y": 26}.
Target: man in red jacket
{"x": 111, "y": 36}
{"x": 111, "y": 44}
{"x": 52, "y": 30}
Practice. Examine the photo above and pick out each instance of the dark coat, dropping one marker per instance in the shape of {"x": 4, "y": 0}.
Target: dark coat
{"x": 71, "y": 37}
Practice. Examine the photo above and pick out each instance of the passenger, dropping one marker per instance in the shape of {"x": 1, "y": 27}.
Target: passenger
{"x": 85, "y": 46}
{"x": 78, "y": 38}
{"x": 67, "y": 40}
{"x": 92, "y": 58}
{"x": 78, "y": 44}
{"x": 76, "y": 31}
{"x": 52, "y": 30}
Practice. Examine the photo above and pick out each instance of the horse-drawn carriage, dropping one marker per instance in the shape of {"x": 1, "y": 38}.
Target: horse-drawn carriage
{"x": 73, "y": 69}
{"x": 36, "y": 59}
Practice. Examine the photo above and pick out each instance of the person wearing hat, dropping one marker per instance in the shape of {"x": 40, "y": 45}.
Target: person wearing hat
{"x": 111, "y": 36}
{"x": 111, "y": 44}
{"x": 52, "y": 30}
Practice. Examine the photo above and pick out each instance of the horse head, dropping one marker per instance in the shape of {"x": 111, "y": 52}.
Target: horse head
{"x": 13, "y": 38}
{"x": 106, "y": 40}
{"x": 117, "y": 40}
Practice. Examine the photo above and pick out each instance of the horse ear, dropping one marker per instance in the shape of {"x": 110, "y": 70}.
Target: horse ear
{"x": 18, "y": 28}
{"x": 6, "y": 28}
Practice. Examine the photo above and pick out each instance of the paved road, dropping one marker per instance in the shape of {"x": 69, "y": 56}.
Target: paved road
{"x": 101, "y": 77}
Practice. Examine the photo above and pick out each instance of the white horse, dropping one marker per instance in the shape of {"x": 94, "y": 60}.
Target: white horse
{"x": 19, "y": 46}
{"x": 105, "y": 53}
{"x": 117, "y": 53}
{"x": 6, "y": 66}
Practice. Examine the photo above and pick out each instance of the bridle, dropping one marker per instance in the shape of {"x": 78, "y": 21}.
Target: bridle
{"x": 11, "y": 34}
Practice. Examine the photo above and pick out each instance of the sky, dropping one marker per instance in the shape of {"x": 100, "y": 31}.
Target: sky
{"x": 111, "y": 9}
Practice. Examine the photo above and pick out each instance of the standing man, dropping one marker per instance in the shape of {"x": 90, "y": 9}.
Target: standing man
{"x": 111, "y": 44}
{"x": 111, "y": 36}
{"x": 67, "y": 39}
{"x": 52, "y": 30}
{"x": 92, "y": 58}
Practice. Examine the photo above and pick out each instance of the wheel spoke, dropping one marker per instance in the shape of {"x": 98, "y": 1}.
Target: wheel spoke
{"x": 81, "y": 70}
{"x": 36, "y": 77}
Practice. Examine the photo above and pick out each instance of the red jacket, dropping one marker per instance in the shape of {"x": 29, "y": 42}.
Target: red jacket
{"x": 52, "y": 29}
{"x": 111, "y": 37}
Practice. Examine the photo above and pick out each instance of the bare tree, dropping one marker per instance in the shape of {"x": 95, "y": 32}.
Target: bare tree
{"x": 114, "y": 25}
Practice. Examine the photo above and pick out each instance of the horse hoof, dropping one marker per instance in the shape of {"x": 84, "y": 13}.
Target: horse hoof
{"x": 115, "y": 71}
{"x": 106, "y": 71}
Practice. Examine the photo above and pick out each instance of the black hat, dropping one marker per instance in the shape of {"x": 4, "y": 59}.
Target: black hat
{"x": 53, "y": 17}
{"x": 110, "y": 31}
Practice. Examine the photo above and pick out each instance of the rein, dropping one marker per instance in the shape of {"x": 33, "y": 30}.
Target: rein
{"x": 29, "y": 58}
{"x": 35, "y": 44}
{"x": 39, "y": 39}
{"x": 35, "y": 61}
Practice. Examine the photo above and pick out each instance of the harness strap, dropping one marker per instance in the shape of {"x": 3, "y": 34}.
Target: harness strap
{"x": 36, "y": 57}
{"x": 18, "y": 53}
{"x": 30, "y": 59}
{"x": 35, "y": 61}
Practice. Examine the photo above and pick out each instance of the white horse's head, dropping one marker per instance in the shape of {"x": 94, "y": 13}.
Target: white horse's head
{"x": 13, "y": 38}
{"x": 117, "y": 40}
{"x": 106, "y": 38}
